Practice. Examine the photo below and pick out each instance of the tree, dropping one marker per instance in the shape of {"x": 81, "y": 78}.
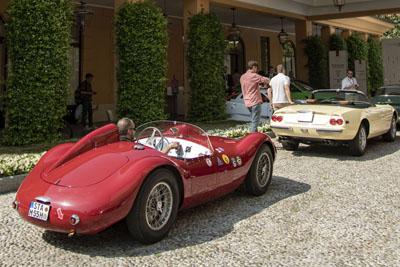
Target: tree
{"x": 395, "y": 32}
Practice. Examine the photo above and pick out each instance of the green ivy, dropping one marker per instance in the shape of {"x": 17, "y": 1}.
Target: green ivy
{"x": 375, "y": 64}
{"x": 38, "y": 40}
{"x": 206, "y": 51}
{"x": 357, "y": 49}
{"x": 317, "y": 62}
{"x": 142, "y": 41}
{"x": 337, "y": 43}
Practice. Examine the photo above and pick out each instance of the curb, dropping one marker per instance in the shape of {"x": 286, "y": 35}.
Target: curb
{"x": 11, "y": 183}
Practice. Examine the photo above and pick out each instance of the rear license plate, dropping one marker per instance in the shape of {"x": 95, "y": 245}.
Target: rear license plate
{"x": 39, "y": 211}
{"x": 305, "y": 116}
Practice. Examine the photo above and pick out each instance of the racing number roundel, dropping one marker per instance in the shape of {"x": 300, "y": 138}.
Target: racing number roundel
{"x": 225, "y": 158}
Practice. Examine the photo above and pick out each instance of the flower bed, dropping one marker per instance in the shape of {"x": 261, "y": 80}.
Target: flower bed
{"x": 14, "y": 164}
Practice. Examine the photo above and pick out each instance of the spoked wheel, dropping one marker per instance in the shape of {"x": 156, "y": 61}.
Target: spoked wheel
{"x": 358, "y": 145}
{"x": 156, "y": 139}
{"x": 391, "y": 134}
{"x": 155, "y": 207}
{"x": 259, "y": 177}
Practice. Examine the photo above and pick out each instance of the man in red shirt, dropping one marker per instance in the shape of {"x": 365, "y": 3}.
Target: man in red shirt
{"x": 250, "y": 82}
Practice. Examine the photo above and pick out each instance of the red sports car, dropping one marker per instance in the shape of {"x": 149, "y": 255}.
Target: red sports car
{"x": 87, "y": 186}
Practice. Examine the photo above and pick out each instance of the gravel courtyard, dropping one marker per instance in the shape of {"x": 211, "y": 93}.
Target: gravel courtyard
{"x": 323, "y": 208}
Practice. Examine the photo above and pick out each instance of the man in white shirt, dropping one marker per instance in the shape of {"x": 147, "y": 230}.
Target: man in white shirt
{"x": 350, "y": 82}
{"x": 279, "y": 90}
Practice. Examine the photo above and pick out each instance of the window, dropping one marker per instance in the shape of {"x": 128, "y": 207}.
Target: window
{"x": 289, "y": 58}
{"x": 265, "y": 57}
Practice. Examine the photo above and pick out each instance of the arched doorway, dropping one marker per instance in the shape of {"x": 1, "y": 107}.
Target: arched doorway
{"x": 3, "y": 62}
{"x": 289, "y": 57}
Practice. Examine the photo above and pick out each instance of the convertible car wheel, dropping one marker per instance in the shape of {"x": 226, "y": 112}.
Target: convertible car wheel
{"x": 290, "y": 146}
{"x": 358, "y": 145}
{"x": 391, "y": 134}
{"x": 259, "y": 177}
{"x": 155, "y": 207}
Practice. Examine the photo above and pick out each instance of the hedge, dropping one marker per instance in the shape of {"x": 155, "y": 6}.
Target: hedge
{"x": 317, "y": 62}
{"x": 337, "y": 43}
{"x": 142, "y": 41}
{"x": 375, "y": 63}
{"x": 206, "y": 51}
{"x": 38, "y": 40}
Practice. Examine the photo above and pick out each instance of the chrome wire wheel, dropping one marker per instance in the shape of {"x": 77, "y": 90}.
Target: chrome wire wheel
{"x": 159, "y": 206}
{"x": 263, "y": 169}
{"x": 362, "y": 141}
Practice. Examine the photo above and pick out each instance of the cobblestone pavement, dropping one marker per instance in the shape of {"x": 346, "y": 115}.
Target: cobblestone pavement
{"x": 323, "y": 208}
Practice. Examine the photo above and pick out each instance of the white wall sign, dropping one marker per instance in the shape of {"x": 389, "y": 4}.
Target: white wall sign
{"x": 361, "y": 75}
{"x": 337, "y": 68}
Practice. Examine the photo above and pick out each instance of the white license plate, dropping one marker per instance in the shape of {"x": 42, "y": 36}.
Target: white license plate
{"x": 305, "y": 116}
{"x": 39, "y": 211}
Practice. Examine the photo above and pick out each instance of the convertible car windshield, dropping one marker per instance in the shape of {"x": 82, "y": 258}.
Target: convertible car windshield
{"x": 339, "y": 97}
{"x": 158, "y": 134}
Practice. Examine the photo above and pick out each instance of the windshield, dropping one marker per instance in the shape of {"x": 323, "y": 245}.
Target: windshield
{"x": 390, "y": 90}
{"x": 172, "y": 131}
{"x": 339, "y": 97}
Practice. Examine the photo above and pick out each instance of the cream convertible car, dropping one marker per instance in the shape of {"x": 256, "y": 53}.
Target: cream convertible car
{"x": 335, "y": 117}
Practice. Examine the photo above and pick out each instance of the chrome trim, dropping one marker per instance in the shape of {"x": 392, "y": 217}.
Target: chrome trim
{"x": 280, "y": 127}
{"x": 43, "y": 199}
{"x": 76, "y": 218}
{"x": 330, "y": 130}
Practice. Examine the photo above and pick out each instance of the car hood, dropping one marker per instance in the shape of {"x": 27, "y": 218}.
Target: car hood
{"x": 87, "y": 169}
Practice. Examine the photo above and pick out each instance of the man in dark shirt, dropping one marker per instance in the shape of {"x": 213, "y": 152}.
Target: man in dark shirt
{"x": 85, "y": 88}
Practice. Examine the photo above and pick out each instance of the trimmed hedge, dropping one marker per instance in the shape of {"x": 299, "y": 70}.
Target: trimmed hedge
{"x": 38, "y": 40}
{"x": 206, "y": 51}
{"x": 337, "y": 43}
{"x": 142, "y": 41}
{"x": 317, "y": 62}
{"x": 375, "y": 64}
{"x": 358, "y": 50}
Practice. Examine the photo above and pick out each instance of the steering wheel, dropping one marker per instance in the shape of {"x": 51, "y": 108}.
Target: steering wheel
{"x": 151, "y": 141}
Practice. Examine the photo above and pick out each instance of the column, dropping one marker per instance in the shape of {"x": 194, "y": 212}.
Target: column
{"x": 364, "y": 36}
{"x": 303, "y": 30}
{"x": 326, "y": 33}
{"x": 190, "y": 8}
{"x": 346, "y": 34}
{"x": 377, "y": 38}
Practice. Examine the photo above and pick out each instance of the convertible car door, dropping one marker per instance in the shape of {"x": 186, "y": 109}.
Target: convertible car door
{"x": 203, "y": 174}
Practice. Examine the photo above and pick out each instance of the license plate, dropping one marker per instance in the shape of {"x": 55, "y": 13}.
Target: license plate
{"x": 305, "y": 116}
{"x": 39, "y": 211}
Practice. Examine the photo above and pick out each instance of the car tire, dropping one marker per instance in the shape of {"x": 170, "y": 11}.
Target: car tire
{"x": 155, "y": 207}
{"x": 391, "y": 134}
{"x": 290, "y": 145}
{"x": 259, "y": 176}
{"x": 358, "y": 145}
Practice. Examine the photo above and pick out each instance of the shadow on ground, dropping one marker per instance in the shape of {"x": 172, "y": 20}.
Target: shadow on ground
{"x": 376, "y": 148}
{"x": 193, "y": 226}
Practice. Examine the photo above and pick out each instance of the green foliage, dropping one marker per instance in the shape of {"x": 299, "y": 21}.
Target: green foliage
{"x": 142, "y": 41}
{"x": 395, "y": 32}
{"x": 38, "y": 40}
{"x": 337, "y": 43}
{"x": 357, "y": 49}
{"x": 317, "y": 62}
{"x": 375, "y": 63}
{"x": 206, "y": 50}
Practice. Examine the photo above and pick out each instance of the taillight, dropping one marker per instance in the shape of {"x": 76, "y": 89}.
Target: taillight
{"x": 336, "y": 121}
{"x": 276, "y": 118}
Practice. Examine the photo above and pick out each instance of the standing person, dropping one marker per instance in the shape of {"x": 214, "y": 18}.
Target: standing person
{"x": 279, "y": 90}
{"x": 85, "y": 89}
{"x": 228, "y": 81}
{"x": 271, "y": 72}
{"x": 349, "y": 82}
{"x": 250, "y": 82}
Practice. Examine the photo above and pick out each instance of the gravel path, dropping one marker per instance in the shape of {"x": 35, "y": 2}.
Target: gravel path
{"x": 323, "y": 208}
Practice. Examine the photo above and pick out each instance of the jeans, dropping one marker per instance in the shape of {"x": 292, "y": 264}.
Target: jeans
{"x": 255, "y": 114}
{"x": 87, "y": 110}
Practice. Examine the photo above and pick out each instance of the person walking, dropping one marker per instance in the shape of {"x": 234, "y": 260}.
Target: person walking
{"x": 349, "y": 82}
{"x": 279, "y": 90}
{"x": 85, "y": 89}
{"x": 250, "y": 82}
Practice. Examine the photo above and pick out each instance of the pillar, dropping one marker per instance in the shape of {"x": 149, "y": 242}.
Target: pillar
{"x": 377, "y": 38}
{"x": 326, "y": 33}
{"x": 303, "y": 30}
{"x": 346, "y": 34}
{"x": 190, "y": 8}
{"x": 364, "y": 36}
